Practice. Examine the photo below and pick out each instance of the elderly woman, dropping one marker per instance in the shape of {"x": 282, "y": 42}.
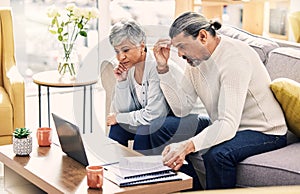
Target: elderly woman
{"x": 138, "y": 99}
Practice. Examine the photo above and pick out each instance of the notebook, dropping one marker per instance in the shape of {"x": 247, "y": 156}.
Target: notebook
{"x": 139, "y": 170}
{"x": 72, "y": 144}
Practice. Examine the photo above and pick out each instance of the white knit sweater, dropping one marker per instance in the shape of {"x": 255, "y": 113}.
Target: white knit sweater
{"x": 234, "y": 88}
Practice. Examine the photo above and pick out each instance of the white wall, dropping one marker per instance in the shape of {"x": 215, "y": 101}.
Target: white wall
{"x": 294, "y": 5}
{"x": 105, "y": 18}
{"x": 4, "y": 3}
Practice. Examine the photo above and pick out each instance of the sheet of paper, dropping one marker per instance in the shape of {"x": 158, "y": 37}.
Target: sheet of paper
{"x": 138, "y": 165}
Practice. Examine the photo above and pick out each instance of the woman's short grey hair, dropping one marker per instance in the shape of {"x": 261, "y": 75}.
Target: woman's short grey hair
{"x": 127, "y": 29}
{"x": 191, "y": 23}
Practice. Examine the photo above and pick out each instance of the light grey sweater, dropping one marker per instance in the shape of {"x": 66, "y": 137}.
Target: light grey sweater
{"x": 234, "y": 88}
{"x": 125, "y": 101}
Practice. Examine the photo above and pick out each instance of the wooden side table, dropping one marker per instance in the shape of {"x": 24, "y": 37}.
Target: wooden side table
{"x": 52, "y": 79}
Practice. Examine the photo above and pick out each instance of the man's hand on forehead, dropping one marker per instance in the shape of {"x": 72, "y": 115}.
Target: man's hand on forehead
{"x": 162, "y": 53}
{"x": 162, "y": 43}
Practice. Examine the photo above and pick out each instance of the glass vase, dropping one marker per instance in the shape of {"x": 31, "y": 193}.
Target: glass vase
{"x": 67, "y": 64}
{"x": 66, "y": 69}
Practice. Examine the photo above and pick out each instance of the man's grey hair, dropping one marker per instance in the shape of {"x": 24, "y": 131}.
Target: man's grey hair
{"x": 127, "y": 29}
{"x": 191, "y": 23}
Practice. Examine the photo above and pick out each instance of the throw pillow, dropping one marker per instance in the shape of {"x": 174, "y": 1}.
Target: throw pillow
{"x": 287, "y": 92}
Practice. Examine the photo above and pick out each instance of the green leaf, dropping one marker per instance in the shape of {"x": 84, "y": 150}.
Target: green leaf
{"x": 52, "y": 31}
{"x": 65, "y": 34}
{"x": 53, "y": 21}
{"x": 21, "y": 132}
{"x": 83, "y": 33}
{"x": 59, "y": 30}
{"x": 60, "y": 37}
{"x": 80, "y": 26}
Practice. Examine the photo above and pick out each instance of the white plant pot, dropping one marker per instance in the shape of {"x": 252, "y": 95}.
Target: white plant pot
{"x": 22, "y": 147}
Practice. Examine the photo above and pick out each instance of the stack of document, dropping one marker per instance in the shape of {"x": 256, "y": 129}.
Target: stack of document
{"x": 139, "y": 170}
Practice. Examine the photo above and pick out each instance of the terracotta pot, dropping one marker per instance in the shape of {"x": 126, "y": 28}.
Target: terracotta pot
{"x": 44, "y": 136}
{"x": 23, "y": 146}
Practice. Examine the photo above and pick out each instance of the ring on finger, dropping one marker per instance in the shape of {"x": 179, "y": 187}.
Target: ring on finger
{"x": 174, "y": 163}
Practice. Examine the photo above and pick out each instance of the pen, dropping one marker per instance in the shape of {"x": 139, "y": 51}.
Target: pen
{"x": 108, "y": 164}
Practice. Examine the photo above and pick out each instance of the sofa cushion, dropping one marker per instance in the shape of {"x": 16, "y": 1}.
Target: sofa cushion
{"x": 284, "y": 62}
{"x": 287, "y": 92}
{"x": 278, "y": 167}
{"x": 274, "y": 168}
{"x": 260, "y": 44}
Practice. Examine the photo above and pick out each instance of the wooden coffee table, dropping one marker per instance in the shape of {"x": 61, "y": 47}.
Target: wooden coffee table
{"x": 49, "y": 170}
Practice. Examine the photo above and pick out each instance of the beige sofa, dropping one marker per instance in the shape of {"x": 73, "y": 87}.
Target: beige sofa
{"x": 282, "y": 59}
{"x": 279, "y": 167}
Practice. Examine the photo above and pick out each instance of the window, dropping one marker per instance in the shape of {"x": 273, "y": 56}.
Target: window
{"x": 37, "y": 49}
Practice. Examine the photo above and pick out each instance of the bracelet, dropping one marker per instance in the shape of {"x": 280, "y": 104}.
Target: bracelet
{"x": 162, "y": 71}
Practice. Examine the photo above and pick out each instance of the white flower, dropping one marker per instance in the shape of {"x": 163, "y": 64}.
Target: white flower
{"x": 72, "y": 21}
{"x": 94, "y": 13}
{"x": 86, "y": 13}
{"x": 52, "y": 11}
{"x": 71, "y": 7}
{"x": 78, "y": 13}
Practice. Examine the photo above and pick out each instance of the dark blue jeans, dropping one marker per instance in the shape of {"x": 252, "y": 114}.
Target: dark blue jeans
{"x": 221, "y": 160}
{"x": 122, "y": 133}
{"x": 175, "y": 129}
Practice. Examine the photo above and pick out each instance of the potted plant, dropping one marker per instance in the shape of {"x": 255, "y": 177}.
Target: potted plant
{"x": 22, "y": 141}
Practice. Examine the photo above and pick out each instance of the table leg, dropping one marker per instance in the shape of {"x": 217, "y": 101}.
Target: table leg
{"x": 40, "y": 108}
{"x": 84, "y": 91}
{"x": 48, "y": 99}
{"x": 91, "y": 111}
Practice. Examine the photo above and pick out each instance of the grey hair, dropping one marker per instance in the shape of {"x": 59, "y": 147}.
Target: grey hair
{"x": 191, "y": 23}
{"x": 126, "y": 29}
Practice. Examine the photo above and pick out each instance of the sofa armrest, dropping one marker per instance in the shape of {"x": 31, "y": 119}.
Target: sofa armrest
{"x": 13, "y": 82}
{"x": 15, "y": 88}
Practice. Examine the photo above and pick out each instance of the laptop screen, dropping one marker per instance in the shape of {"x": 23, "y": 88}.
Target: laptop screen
{"x": 70, "y": 140}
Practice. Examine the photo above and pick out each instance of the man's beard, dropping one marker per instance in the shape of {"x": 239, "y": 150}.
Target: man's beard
{"x": 194, "y": 62}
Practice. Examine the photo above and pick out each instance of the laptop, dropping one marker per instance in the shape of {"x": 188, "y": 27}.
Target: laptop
{"x": 101, "y": 152}
{"x": 70, "y": 140}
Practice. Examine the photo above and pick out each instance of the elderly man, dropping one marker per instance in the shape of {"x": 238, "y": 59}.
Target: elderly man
{"x": 244, "y": 117}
